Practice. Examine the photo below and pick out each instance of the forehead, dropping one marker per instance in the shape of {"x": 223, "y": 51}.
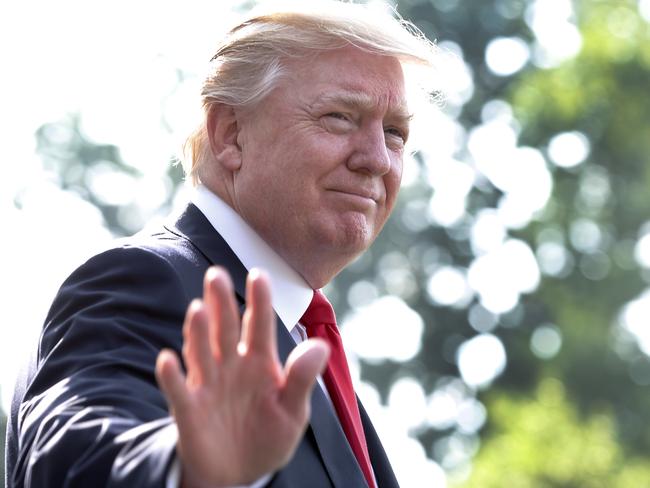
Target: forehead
{"x": 351, "y": 97}
{"x": 351, "y": 76}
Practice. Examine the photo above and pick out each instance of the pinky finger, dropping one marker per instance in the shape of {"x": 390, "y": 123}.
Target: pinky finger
{"x": 172, "y": 381}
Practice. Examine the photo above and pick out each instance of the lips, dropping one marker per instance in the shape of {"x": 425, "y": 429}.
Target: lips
{"x": 359, "y": 193}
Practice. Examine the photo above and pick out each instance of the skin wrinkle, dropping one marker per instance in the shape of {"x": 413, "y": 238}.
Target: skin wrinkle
{"x": 359, "y": 101}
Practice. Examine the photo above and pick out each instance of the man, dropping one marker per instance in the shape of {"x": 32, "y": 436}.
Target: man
{"x": 297, "y": 164}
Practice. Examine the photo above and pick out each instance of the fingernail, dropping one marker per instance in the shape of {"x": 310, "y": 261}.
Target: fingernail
{"x": 255, "y": 273}
{"x": 212, "y": 273}
{"x": 196, "y": 304}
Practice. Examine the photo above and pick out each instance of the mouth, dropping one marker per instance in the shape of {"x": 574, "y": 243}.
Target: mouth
{"x": 358, "y": 196}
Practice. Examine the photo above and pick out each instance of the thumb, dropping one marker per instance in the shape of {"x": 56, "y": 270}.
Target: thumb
{"x": 304, "y": 364}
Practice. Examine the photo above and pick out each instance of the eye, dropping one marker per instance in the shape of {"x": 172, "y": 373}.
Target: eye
{"x": 397, "y": 133}
{"x": 337, "y": 115}
{"x": 338, "y": 122}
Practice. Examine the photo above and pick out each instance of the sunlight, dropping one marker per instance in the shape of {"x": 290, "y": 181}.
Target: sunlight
{"x": 505, "y": 56}
{"x": 568, "y": 149}
{"x": 557, "y": 36}
{"x": 379, "y": 319}
{"x": 481, "y": 359}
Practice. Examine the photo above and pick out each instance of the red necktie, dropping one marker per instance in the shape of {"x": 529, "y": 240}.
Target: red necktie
{"x": 320, "y": 322}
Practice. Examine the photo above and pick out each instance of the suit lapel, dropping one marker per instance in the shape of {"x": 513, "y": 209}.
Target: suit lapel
{"x": 334, "y": 449}
{"x": 193, "y": 226}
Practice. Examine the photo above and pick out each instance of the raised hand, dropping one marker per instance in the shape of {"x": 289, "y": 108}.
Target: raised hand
{"x": 239, "y": 413}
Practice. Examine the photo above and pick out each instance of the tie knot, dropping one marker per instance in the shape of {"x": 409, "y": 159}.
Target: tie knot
{"x": 320, "y": 311}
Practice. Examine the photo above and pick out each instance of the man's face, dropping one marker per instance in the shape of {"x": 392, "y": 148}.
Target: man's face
{"x": 322, "y": 157}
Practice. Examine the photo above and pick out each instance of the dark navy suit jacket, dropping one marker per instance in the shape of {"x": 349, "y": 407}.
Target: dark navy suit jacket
{"x": 88, "y": 412}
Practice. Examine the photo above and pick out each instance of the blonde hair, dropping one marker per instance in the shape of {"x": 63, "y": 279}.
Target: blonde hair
{"x": 249, "y": 61}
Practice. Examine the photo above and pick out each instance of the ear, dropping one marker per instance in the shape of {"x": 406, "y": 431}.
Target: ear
{"x": 223, "y": 132}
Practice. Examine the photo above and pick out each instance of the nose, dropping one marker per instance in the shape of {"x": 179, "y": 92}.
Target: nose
{"x": 370, "y": 152}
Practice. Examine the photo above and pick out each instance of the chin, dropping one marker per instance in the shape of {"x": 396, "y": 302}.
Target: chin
{"x": 349, "y": 233}
{"x": 353, "y": 239}
{"x": 334, "y": 249}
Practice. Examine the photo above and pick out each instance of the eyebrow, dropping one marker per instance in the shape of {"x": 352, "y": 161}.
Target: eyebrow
{"x": 365, "y": 102}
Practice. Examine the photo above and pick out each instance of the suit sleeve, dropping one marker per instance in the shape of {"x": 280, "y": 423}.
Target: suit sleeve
{"x": 92, "y": 414}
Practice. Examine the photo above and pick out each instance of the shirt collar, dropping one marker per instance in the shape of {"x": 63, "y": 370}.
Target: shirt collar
{"x": 290, "y": 293}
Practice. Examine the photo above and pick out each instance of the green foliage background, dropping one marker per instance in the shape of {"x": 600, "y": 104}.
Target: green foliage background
{"x": 578, "y": 419}
{"x": 541, "y": 441}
